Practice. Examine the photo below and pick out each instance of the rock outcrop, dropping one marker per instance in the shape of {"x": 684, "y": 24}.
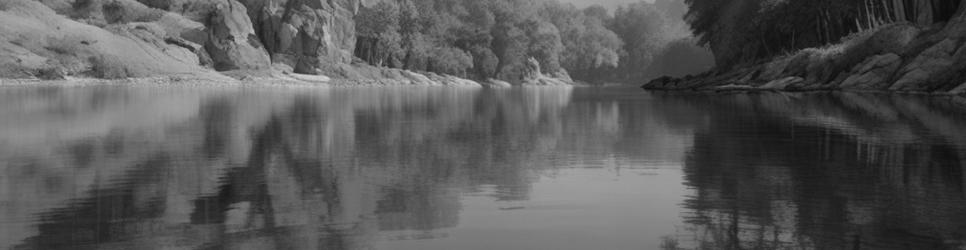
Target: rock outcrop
{"x": 873, "y": 73}
{"x": 36, "y": 41}
{"x": 353, "y": 74}
{"x": 532, "y": 75}
{"x": 306, "y": 34}
{"x": 915, "y": 74}
{"x": 307, "y": 41}
{"x": 232, "y": 42}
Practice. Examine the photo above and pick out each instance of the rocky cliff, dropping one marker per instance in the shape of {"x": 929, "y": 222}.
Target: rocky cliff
{"x": 900, "y": 57}
{"x": 305, "y": 34}
{"x": 289, "y": 39}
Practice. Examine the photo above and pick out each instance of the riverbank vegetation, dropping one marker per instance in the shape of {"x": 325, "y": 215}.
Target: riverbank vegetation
{"x": 493, "y": 39}
{"x": 746, "y": 30}
{"x": 378, "y": 41}
{"x": 906, "y": 46}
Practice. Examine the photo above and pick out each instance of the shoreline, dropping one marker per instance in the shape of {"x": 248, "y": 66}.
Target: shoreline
{"x": 276, "y": 80}
{"x": 815, "y": 90}
{"x": 812, "y": 91}
{"x": 895, "y": 58}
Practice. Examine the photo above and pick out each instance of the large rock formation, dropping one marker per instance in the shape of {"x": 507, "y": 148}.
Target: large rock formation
{"x": 36, "y": 41}
{"x": 921, "y": 69}
{"x": 246, "y": 39}
{"x": 533, "y": 75}
{"x": 232, "y": 42}
{"x": 306, "y": 34}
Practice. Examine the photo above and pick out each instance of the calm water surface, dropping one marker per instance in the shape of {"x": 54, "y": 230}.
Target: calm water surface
{"x": 451, "y": 168}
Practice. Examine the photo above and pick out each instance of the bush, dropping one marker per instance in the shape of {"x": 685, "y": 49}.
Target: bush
{"x": 65, "y": 45}
{"x": 108, "y": 67}
{"x": 68, "y": 53}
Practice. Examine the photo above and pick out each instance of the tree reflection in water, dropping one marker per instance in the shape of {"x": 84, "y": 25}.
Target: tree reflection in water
{"x": 827, "y": 171}
{"x": 348, "y": 168}
{"x": 325, "y": 169}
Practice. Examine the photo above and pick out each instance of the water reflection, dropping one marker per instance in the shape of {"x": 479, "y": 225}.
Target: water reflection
{"x": 451, "y": 168}
{"x": 826, "y": 171}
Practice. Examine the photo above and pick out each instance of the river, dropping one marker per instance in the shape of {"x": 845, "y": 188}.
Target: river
{"x": 161, "y": 167}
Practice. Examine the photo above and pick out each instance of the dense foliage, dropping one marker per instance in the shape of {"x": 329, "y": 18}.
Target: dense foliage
{"x": 484, "y": 39}
{"x": 745, "y": 30}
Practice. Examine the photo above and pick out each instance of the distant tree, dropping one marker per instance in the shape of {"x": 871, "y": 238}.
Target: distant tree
{"x": 450, "y": 60}
{"x": 510, "y": 47}
{"x": 597, "y": 12}
{"x": 588, "y": 45}
{"x": 495, "y": 38}
{"x": 545, "y": 44}
{"x": 681, "y": 57}
{"x": 485, "y": 61}
{"x": 641, "y": 26}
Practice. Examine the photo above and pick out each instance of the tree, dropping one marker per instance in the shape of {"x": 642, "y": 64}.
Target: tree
{"x": 588, "y": 45}
{"x": 494, "y": 38}
{"x": 379, "y": 41}
{"x": 642, "y": 28}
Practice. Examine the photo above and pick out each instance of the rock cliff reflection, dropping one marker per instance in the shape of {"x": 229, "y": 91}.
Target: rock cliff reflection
{"x": 452, "y": 168}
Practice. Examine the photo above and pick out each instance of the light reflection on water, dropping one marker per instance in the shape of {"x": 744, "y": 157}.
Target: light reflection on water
{"x": 453, "y": 168}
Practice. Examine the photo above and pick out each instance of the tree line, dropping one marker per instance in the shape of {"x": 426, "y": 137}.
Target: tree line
{"x": 493, "y": 39}
{"x": 739, "y": 31}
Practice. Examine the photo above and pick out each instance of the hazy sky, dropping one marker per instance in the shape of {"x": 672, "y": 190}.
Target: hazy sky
{"x": 610, "y": 4}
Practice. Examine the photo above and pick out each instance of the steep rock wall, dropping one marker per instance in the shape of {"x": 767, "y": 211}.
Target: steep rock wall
{"x": 232, "y": 42}
{"x": 305, "y": 34}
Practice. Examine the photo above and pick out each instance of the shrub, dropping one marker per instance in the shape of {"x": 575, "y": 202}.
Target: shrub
{"x": 108, "y": 67}
{"x": 65, "y": 45}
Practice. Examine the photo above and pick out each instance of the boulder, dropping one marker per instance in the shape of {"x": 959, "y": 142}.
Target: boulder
{"x": 664, "y": 82}
{"x": 310, "y": 78}
{"x": 179, "y": 26}
{"x": 531, "y": 71}
{"x": 773, "y": 70}
{"x": 959, "y": 90}
{"x": 532, "y": 75}
{"x": 417, "y": 79}
{"x": 52, "y": 73}
{"x": 873, "y": 73}
{"x": 563, "y": 75}
{"x": 734, "y": 87}
{"x": 929, "y": 63}
{"x": 783, "y": 83}
{"x": 456, "y": 81}
{"x": 494, "y": 83}
{"x": 232, "y": 42}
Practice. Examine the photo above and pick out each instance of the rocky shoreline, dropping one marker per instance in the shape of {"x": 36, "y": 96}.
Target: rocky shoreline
{"x": 179, "y": 41}
{"x": 898, "y": 57}
{"x": 256, "y": 79}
